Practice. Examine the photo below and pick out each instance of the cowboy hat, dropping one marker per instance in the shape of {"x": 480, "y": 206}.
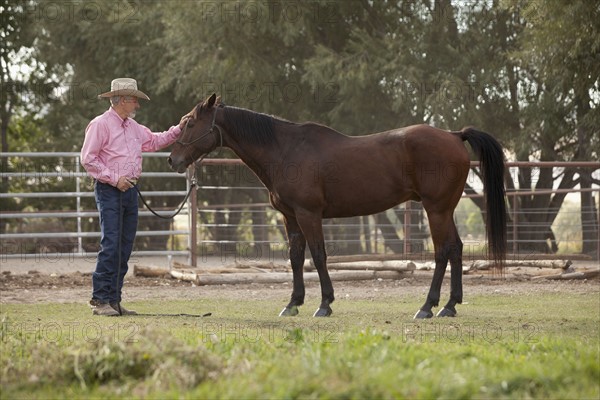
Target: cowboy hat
{"x": 124, "y": 87}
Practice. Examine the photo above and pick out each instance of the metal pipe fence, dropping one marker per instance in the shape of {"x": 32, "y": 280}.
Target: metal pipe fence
{"x": 235, "y": 220}
{"x": 65, "y": 168}
{"x": 406, "y": 228}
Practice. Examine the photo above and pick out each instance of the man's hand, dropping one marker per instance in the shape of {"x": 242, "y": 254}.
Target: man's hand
{"x": 124, "y": 184}
{"x": 184, "y": 121}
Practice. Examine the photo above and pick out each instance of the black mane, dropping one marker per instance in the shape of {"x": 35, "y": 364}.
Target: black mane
{"x": 250, "y": 126}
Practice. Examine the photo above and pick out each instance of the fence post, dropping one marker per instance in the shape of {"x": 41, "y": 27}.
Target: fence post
{"x": 78, "y": 190}
{"x": 515, "y": 219}
{"x": 407, "y": 221}
{"x": 192, "y": 219}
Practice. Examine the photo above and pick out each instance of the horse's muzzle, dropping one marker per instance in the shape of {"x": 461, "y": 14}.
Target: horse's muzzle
{"x": 177, "y": 165}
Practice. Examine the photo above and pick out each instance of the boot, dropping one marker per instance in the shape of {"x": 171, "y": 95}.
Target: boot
{"x": 104, "y": 309}
{"x": 124, "y": 311}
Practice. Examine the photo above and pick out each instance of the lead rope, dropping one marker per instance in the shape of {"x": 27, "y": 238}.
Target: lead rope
{"x": 193, "y": 184}
{"x": 118, "y": 289}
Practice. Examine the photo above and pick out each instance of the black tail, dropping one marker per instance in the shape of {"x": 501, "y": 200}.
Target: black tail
{"x": 491, "y": 159}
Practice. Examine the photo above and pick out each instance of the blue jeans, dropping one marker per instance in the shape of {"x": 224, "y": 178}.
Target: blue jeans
{"x": 118, "y": 225}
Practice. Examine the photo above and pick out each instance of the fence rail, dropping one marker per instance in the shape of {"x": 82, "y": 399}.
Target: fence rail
{"x": 250, "y": 226}
{"x": 12, "y": 243}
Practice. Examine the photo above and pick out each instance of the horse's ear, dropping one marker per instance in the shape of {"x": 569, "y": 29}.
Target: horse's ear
{"x": 218, "y": 100}
{"x": 210, "y": 102}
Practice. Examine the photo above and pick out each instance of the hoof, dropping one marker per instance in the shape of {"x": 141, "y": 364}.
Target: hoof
{"x": 289, "y": 311}
{"x": 323, "y": 312}
{"x": 423, "y": 314}
{"x": 446, "y": 312}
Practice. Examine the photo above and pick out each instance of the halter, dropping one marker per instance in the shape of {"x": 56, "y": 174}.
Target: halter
{"x": 213, "y": 125}
{"x": 212, "y": 128}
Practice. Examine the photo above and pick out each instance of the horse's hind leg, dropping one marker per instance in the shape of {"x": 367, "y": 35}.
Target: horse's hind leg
{"x": 456, "y": 293}
{"x": 433, "y": 297}
{"x": 297, "y": 244}
{"x": 446, "y": 244}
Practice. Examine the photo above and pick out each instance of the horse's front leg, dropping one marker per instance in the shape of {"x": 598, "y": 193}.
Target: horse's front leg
{"x": 327, "y": 297}
{"x": 311, "y": 224}
{"x": 297, "y": 244}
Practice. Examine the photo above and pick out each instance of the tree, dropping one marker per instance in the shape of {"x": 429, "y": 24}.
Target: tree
{"x": 554, "y": 96}
{"x": 94, "y": 43}
{"x": 561, "y": 48}
{"x": 25, "y": 88}
{"x": 527, "y": 72}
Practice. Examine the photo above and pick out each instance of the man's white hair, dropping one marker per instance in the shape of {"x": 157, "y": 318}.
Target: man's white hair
{"x": 114, "y": 100}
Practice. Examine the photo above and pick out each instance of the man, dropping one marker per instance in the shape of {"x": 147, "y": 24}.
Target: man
{"x": 112, "y": 155}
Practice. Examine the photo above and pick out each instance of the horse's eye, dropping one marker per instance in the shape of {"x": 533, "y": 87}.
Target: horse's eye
{"x": 190, "y": 124}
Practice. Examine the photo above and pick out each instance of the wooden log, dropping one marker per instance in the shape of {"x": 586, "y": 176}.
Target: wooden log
{"x": 183, "y": 275}
{"x": 178, "y": 265}
{"x": 367, "y": 266}
{"x": 555, "y": 264}
{"x": 541, "y": 256}
{"x": 150, "y": 271}
{"x": 389, "y": 265}
{"x": 261, "y": 267}
{"x": 425, "y": 266}
{"x": 231, "y": 270}
{"x": 235, "y": 268}
{"x": 582, "y": 274}
{"x": 282, "y": 277}
{"x": 425, "y": 256}
{"x": 376, "y": 257}
{"x": 572, "y": 275}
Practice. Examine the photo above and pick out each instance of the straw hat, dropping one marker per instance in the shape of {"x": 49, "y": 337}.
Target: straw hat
{"x": 124, "y": 87}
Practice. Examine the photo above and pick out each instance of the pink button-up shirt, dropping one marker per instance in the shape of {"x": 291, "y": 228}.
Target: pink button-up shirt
{"x": 113, "y": 147}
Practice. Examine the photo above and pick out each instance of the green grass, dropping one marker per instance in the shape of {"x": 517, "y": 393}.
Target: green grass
{"x": 542, "y": 345}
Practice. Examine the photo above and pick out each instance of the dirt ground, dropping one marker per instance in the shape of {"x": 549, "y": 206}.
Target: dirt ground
{"x": 69, "y": 281}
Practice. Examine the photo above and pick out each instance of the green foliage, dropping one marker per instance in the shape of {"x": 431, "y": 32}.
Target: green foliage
{"x": 525, "y": 71}
{"x": 26, "y": 133}
{"x": 560, "y": 48}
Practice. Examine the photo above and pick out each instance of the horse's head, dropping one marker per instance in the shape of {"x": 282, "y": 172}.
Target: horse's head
{"x": 199, "y": 137}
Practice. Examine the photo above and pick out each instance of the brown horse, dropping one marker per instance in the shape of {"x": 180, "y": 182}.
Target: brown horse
{"x": 313, "y": 172}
